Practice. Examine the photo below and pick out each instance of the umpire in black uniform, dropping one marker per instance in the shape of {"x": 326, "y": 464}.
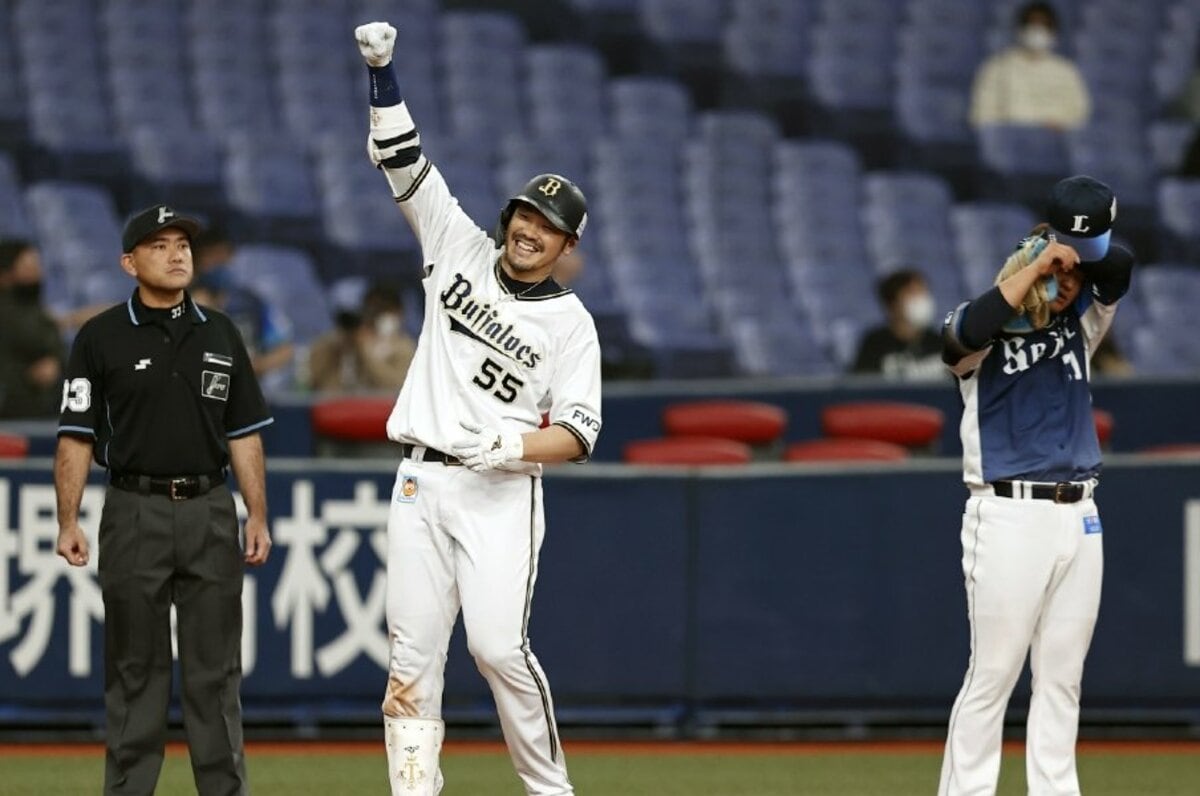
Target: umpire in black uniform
{"x": 159, "y": 390}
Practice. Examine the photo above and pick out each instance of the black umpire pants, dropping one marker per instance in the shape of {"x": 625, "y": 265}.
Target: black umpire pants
{"x": 154, "y": 552}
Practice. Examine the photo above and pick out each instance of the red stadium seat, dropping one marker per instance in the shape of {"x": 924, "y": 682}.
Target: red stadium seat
{"x": 687, "y": 450}
{"x": 13, "y": 447}
{"x": 1104, "y": 426}
{"x": 352, "y": 419}
{"x": 752, "y": 422}
{"x": 1173, "y": 449}
{"x": 845, "y": 449}
{"x": 911, "y": 425}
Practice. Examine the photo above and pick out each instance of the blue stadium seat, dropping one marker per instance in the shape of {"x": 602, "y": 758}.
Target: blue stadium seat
{"x": 481, "y": 73}
{"x": 287, "y": 278}
{"x": 1168, "y": 140}
{"x": 682, "y": 21}
{"x": 654, "y": 108}
{"x": 1179, "y": 213}
{"x": 985, "y": 234}
{"x": 907, "y": 222}
{"x": 177, "y": 165}
{"x": 14, "y": 220}
{"x": 77, "y": 230}
{"x": 271, "y": 189}
{"x": 768, "y": 38}
{"x": 564, "y": 90}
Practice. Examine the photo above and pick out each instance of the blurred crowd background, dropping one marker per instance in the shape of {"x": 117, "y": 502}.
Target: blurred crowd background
{"x": 777, "y": 188}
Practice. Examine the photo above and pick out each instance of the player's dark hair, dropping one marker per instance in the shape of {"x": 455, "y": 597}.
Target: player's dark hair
{"x": 888, "y": 288}
{"x": 1025, "y": 12}
{"x": 10, "y": 250}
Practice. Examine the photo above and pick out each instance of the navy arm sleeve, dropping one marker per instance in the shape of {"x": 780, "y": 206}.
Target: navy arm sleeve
{"x": 973, "y": 325}
{"x": 1110, "y": 277}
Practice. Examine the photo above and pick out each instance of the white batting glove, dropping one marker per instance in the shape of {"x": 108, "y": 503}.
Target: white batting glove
{"x": 486, "y": 448}
{"x": 375, "y": 42}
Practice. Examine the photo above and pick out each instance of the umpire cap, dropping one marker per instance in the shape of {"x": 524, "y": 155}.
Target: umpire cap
{"x": 146, "y": 222}
{"x": 555, "y": 197}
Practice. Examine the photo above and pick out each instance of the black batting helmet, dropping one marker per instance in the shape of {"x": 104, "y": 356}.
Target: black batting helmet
{"x": 555, "y": 197}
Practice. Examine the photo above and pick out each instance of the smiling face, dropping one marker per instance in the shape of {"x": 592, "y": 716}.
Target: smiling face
{"x": 162, "y": 265}
{"x": 532, "y": 244}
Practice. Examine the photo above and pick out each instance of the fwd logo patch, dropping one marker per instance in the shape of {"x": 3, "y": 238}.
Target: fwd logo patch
{"x": 142, "y": 364}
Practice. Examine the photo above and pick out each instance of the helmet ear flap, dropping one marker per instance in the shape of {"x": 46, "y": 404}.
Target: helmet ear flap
{"x": 502, "y": 225}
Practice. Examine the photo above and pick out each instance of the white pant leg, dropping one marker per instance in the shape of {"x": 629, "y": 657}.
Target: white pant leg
{"x": 1007, "y": 563}
{"x": 499, "y": 530}
{"x": 1060, "y": 645}
{"x": 422, "y": 595}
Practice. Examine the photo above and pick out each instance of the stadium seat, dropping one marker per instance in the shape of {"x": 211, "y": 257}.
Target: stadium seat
{"x": 908, "y": 424}
{"x": 14, "y": 220}
{"x": 844, "y": 449}
{"x": 13, "y": 446}
{"x": 1104, "y": 426}
{"x": 359, "y": 419}
{"x": 752, "y": 422}
{"x": 1189, "y": 449}
{"x": 695, "y": 451}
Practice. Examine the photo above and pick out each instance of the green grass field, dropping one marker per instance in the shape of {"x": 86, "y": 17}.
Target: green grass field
{"x": 625, "y": 770}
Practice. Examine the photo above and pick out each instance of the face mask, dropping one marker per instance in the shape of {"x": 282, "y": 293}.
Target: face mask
{"x": 919, "y": 310}
{"x": 27, "y": 293}
{"x": 387, "y": 325}
{"x": 1037, "y": 38}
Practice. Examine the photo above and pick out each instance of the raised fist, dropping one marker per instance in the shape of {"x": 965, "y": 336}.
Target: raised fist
{"x": 375, "y": 42}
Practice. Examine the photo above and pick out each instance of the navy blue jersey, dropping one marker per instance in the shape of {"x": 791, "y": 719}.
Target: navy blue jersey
{"x": 1027, "y": 405}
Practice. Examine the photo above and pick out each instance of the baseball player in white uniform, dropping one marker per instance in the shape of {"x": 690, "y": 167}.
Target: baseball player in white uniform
{"x": 501, "y": 343}
{"x": 1031, "y": 534}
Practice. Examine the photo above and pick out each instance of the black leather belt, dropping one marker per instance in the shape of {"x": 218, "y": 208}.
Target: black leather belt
{"x": 430, "y": 455}
{"x": 1063, "y": 492}
{"x": 184, "y": 487}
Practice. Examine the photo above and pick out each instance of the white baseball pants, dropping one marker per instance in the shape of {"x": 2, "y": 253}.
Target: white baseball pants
{"x": 457, "y": 538}
{"x": 1033, "y": 570}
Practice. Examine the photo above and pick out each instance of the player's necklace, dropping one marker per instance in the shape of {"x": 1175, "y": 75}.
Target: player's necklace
{"x": 509, "y": 282}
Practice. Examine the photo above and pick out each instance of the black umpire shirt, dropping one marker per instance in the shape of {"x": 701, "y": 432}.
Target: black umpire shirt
{"x": 161, "y": 391}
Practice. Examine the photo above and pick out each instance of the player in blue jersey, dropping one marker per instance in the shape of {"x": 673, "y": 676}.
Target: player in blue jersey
{"x": 1031, "y": 534}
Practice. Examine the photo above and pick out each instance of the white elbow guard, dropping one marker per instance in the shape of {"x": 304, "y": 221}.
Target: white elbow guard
{"x": 394, "y": 145}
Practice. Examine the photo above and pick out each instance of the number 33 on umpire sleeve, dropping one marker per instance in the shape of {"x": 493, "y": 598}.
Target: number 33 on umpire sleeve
{"x": 77, "y": 395}
{"x": 489, "y": 372}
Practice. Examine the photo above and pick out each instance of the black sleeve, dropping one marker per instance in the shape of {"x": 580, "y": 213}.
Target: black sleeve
{"x": 972, "y": 325}
{"x": 247, "y": 411}
{"x": 83, "y": 387}
{"x": 1110, "y": 277}
{"x": 983, "y": 318}
{"x": 869, "y": 358}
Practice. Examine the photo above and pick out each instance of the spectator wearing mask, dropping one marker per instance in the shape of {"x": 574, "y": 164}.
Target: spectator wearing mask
{"x": 31, "y": 347}
{"x": 906, "y": 347}
{"x": 1028, "y": 83}
{"x": 369, "y": 350}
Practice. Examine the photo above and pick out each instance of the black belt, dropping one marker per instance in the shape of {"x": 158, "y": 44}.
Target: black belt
{"x": 429, "y": 455}
{"x": 1062, "y": 492}
{"x": 182, "y": 487}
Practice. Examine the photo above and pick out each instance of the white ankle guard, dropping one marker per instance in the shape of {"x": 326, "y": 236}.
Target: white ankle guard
{"x": 413, "y": 747}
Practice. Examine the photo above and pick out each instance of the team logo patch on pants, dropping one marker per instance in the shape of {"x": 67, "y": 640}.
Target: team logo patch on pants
{"x": 214, "y": 385}
{"x": 1091, "y": 524}
{"x": 408, "y": 489}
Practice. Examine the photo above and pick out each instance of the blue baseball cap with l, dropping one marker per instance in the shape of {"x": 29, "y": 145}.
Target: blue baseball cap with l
{"x": 1081, "y": 212}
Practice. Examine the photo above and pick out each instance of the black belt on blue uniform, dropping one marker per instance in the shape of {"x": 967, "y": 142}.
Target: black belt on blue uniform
{"x": 1063, "y": 492}
{"x": 429, "y": 455}
{"x": 182, "y": 487}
